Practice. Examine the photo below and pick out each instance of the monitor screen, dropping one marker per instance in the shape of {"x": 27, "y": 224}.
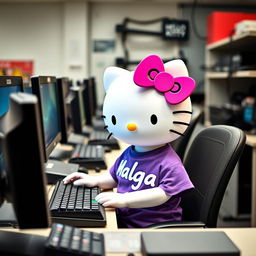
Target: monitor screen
{"x": 27, "y": 87}
{"x": 5, "y": 92}
{"x": 50, "y": 112}
{"x": 45, "y": 88}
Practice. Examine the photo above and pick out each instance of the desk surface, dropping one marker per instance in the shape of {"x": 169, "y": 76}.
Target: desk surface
{"x": 243, "y": 238}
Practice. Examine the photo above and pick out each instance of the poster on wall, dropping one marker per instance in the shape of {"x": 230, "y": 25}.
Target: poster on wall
{"x": 22, "y": 68}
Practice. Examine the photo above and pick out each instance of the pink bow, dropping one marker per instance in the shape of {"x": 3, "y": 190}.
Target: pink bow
{"x": 150, "y": 72}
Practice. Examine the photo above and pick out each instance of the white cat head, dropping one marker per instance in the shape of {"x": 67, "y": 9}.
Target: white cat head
{"x": 142, "y": 116}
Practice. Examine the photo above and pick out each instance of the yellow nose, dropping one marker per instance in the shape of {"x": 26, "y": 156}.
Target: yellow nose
{"x": 131, "y": 127}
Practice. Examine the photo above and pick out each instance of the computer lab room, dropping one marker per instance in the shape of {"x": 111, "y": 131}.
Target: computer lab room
{"x": 127, "y": 127}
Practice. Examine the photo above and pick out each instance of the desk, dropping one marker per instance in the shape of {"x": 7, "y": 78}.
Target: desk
{"x": 243, "y": 238}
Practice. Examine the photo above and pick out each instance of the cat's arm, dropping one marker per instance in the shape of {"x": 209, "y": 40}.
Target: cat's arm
{"x": 137, "y": 199}
{"x": 104, "y": 181}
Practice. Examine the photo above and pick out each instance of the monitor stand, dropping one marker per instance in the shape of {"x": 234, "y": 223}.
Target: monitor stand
{"x": 12, "y": 243}
{"x": 61, "y": 153}
{"x": 75, "y": 139}
{"x": 7, "y": 216}
{"x": 56, "y": 170}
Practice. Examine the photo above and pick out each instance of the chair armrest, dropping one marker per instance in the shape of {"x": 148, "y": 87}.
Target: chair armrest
{"x": 178, "y": 224}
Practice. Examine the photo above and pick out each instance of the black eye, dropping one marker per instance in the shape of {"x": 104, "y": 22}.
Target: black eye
{"x": 113, "y": 119}
{"x": 153, "y": 119}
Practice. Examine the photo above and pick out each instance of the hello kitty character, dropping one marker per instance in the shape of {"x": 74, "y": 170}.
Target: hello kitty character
{"x": 147, "y": 108}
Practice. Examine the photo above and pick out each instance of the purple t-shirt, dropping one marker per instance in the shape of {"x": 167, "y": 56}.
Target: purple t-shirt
{"x": 161, "y": 168}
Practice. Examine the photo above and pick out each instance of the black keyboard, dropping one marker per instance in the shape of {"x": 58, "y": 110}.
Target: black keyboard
{"x": 98, "y": 124}
{"x": 76, "y": 206}
{"x": 101, "y": 138}
{"x": 66, "y": 240}
{"x": 89, "y": 156}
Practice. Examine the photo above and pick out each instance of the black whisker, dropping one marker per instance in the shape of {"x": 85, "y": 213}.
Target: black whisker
{"x": 176, "y": 132}
{"x": 182, "y": 111}
{"x": 106, "y": 126}
{"x": 109, "y": 136}
{"x": 183, "y": 123}
{"x": 103, "y": 116}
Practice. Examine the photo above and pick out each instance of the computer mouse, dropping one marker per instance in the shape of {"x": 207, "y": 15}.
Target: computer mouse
{"x": 107, "y": 149}
{"x": 82, "y": 169}
{"x": 97, "y": 169}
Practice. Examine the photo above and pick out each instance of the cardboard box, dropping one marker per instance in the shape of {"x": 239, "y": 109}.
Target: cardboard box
{"x": 221, "y": 25}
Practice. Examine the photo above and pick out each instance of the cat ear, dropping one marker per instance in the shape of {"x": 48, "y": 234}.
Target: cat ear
{"x": 110, "y": 74}
{"x": 176, "y": 68}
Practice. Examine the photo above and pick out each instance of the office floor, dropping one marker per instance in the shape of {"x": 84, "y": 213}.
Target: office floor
{"x": 233, "y": 223}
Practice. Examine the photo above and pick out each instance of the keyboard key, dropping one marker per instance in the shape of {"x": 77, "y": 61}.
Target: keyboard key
{"x": 67, "y": 240}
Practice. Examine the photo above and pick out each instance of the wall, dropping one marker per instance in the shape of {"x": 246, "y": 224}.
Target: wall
{"x": 48, "y": 34}
{"x": 104, "y": 17}
{"x": 32, "y": 31}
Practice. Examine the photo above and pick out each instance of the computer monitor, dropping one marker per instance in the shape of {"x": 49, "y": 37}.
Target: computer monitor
{"x": 88, "y": 101}
{"x": 22, "y": 176}
{"x": 75, "y": 103}
{"x": 27, "y": 87}
{"x": 45, "y": 88}
{"x": 65, "y": 115}
{"x": 94, "y": 94}
{"x": 8, "y": 85}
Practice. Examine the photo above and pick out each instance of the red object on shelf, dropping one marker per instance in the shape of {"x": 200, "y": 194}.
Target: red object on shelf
{"x": 221, "y": 25}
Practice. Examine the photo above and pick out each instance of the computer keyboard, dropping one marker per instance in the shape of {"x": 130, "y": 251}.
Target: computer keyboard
{"x": 67, "y": 240}
{"x": 89, "y": 156}
{"x": 98, "y": 124}
{"x": 101, "y": 138}
{"x": 76, "y": 206}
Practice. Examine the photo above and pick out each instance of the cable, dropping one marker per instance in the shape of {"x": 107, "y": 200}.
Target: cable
{"x": 145, "y": 22}
{"x": 193, "y": 22}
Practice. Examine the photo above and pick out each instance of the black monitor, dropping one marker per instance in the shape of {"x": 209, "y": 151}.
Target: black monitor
{"x": 45, "y": 88}
{"x": 75, "y": 103}
{"x": 94, "y": 95}
{"x": 22, "y": 175}
{"x": 8, "y": 85}
{"x": 65, "y": 115}
{"x": 88, "y": 101}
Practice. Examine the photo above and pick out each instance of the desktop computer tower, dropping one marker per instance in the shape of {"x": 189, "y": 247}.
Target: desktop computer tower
{"x": 236, "y": 203}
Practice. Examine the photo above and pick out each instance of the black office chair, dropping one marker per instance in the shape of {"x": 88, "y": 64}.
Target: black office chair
{"x": 210, "y": 162}
{"x": 180, "y": 144}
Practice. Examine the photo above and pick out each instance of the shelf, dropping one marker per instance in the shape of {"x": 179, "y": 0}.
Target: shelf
{"x": 251, "y": 140}
{"x": 238, "y": 74}
{"x": 237, "y": 42}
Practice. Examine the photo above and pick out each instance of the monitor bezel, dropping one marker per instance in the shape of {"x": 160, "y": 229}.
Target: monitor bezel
{"x": 11, "y": 81}
{"x": 36, "y": 81}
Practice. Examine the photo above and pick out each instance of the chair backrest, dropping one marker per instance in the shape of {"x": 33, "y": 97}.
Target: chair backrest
{"x": 180, "y": 144}
{"x": 210, "y": 162}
